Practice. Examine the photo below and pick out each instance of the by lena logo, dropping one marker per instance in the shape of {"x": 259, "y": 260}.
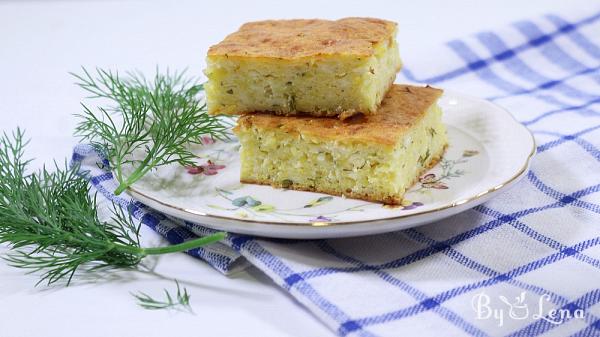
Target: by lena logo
{"x": 519, "y": 309}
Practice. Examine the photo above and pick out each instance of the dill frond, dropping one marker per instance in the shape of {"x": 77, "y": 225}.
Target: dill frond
{"x": 180, "y": 301}
{"x": 50, "y": 220}
{"x": 162, "y": 117}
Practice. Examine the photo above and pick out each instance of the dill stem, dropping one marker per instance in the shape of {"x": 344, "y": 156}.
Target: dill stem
{"x": 184, "y": 246}
{"x": 144, "y": 167}
{"x": 123, "y": 186}
{"x": 135, "y": 176}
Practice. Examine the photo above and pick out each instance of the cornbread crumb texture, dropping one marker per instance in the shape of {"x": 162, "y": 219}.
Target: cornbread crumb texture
{"x": 301, "y": 38}
{"x": 377, "y": 158}
{"x": 402, "y": 107}
{"x": 354, "y": 193}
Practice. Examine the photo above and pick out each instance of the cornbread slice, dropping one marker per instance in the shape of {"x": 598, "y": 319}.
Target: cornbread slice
{"x": 375, "y": 157}
{"x": 317, "y": 67}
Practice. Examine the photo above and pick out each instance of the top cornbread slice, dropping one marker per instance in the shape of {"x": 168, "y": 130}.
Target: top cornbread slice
{"x": 316, "y": 67}
{"x": 402, "y": 108}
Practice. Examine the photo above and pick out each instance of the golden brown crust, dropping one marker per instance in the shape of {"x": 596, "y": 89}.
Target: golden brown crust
{"x": 402, "y": 107}
{"x": 292, "y": 39}
{"x": 388, "y": 200}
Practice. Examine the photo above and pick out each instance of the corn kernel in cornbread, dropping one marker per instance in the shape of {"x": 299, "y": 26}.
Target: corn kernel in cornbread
{"x": 315, "y": 67}
{"x": 375, "y": 157}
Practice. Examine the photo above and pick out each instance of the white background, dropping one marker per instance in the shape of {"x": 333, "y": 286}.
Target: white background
{"x": 41, "y": 41}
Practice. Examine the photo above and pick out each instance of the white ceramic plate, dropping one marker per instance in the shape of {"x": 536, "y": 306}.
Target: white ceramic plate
{"x": 488, "y": 152}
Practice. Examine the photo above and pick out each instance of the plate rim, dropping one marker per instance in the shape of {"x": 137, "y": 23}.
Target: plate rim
{"x": 322, "y": 224}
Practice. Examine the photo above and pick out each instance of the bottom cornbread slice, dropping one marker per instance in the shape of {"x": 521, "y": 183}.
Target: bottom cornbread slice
{"x": 374, "y": 157}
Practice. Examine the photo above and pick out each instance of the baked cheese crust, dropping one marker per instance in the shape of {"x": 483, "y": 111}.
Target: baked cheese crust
{"x": 298, "y": 39}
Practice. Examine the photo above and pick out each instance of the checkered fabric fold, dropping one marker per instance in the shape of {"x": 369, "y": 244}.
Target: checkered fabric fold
{"x": 526, "y": 263}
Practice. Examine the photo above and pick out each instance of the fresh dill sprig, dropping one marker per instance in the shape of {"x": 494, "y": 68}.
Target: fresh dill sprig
{"x": 181, "y": 300}
{"x": 50, "y": 221}
{"x": 161, "y": 117}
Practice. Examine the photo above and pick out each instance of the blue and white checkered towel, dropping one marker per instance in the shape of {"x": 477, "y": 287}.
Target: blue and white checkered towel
{"x": 524, "y": 264}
